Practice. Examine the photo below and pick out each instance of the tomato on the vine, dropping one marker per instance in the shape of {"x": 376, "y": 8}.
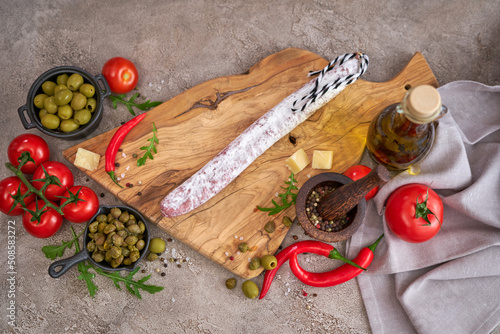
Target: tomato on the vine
{"x": 9, "y": 186}
{"x": 50, "y": 221}
{"x": 35, "y": 145}
{"x": 121, "y": 75}
{"x": 357, "y": 172}
{"x": 414, "y": 212}
{"x": 84, "y": 209}
{"x": 58, "y": 169}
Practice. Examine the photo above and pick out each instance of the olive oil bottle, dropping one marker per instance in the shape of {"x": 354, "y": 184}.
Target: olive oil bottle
{"x": 403, "y": 133}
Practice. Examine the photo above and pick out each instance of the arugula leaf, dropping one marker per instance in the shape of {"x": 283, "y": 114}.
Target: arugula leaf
{"x": 83, "y": 268}
{"x": 53, "y": 251}
{"x": 130, "y": 284}
{"x": 115, "y": 99}
{"x": 151, "y": 148}
{"x": 285, "y": 204}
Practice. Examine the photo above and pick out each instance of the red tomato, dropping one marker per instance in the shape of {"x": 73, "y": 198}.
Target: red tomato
{"x": 357, "y": 172}
{"x": 58, "y": 169}
{"x": 83, "y": 210}
{"x": 121, "y": 75}
{"x": 50, "y": 221}
{"x": 401, "y": 209}
{"x": 35, "y": 145}
{"x": 10, "y": 186}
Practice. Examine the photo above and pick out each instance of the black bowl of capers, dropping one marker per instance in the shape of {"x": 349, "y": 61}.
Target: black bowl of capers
{"x": 65, "y": 102}
{"x": 116, "y": 238}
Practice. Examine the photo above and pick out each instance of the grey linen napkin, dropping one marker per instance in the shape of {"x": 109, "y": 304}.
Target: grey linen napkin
{"x": 451, "y": 283}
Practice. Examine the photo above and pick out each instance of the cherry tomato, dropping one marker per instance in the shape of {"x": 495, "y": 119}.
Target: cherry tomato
{"x": 121, "y": 75}
{"x": 83, "y": 210}
{"x": 50, "y": 221}
{"x": 35, "y": 145}
{"x": 58, "y": 169}
{"x": 401, "y": 209}
{"x": 357, "y": 172}
{"x": 10, "y": 186}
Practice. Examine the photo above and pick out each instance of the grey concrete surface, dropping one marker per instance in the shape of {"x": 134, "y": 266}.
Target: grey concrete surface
{"x": 176, "y": 45}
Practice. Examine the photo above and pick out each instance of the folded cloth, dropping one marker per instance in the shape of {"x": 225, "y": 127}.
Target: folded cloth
{"x": 451, "y": 283}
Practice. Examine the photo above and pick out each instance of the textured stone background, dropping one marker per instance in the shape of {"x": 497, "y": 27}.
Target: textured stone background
{"x": 176, "y": 45}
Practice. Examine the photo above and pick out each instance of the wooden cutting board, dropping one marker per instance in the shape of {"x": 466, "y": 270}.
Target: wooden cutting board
{"x": 195, "y": 125}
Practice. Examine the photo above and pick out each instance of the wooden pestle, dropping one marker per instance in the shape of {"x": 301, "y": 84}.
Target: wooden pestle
{"x": 341, "y": 200}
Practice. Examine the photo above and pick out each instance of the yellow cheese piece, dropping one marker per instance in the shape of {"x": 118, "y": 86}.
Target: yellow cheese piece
{"x": 86, "y": 159}
{"x": 322, "y": 159}
{"x": 298, "y": 161}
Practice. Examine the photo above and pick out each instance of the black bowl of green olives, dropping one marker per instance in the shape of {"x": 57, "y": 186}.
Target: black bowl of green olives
{"x": 65, "y": 102}
{"x": 116, "y": 238}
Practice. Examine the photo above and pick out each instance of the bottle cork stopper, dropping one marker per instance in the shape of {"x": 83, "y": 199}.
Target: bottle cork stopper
{"x": 423, "y": 103}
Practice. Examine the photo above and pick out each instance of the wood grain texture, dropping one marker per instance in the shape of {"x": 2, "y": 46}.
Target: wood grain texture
{"x": 195, "y": 125}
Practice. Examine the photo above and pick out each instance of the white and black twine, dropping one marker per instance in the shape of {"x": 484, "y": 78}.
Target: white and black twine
{"x": 320, "y": 89}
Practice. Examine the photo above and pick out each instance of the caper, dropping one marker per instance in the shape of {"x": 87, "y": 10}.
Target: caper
{"x": 125, "y": 251}
{"x": 87, "y": 89}
{"x": 132, "y": 219}
{"x": 254, "y": 263}
{"x": 119, "y": 225}
{"x": 134, "y": 256}
{"x": 107, "y": 256}
{"x": 101, "y": 249}
{"x": 287, "y": 221}
{"x": 39, "y": 100}
{"x": 250, "y": 289}
{"x": 109, "y": 228}
{"x": 69, "y": 125}
{"x": 109, "y": 217}
{"x": 132, "y": 248}
{"x": 231, "y": 283}
{"x": 98, "y": 256}
{"x": 243, "y": 247}
{"x": 117, "y": 240}
{"x": 91, "y": 104}
{"x": 152, "y": 256}
{"x": 115, "y": 212}
{"x": 48, "y": 87}
{"x": 106, "y": 245}
{"x": 140, "y": 244}
{"x": 142, "y": 227}
{"x": 131, "y": 240}
{"x": 91, "y": 246}
{"x": 101, "y": 226}
{"x": 115, "y": 251}
{"x": 62, "y": 79}
{"x": 270, "y": 227}
{"x": 157, "y": 245}
{"x": 122, "y": 233}
{"x": 269, "y": 262}
{"x": 127, "y": 261}
{"x": 134, "y": 229}
{"x": 116, "y": 262}
{"x": 93, "y": 227}
{"x": 102, "y": 218}
{"x": 99, "y": 239}
{"x": 74, "y": 81}
{"x": 124, "y": 217}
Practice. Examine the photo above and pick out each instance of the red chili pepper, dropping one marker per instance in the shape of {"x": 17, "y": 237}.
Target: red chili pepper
{"x": 336, "y": 276}
{"x": 306, "y": 246}
{"x": 115, "y": 143}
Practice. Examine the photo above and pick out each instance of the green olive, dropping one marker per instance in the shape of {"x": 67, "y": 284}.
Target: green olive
{"x": 231, "y": 283}
{"x": 50, "y": 121}
{"x": 91, "y": 104}
{"x": 59, "y": 87}
{"x": 87, "y": 89}
{"x": 42, "y": 113}
{"x": 62, "y": 79}
{"x": 69, "y": 125}
{"x": 63, "y": 97}
{"x": 254, "y": 264}
{"x": 250, "y": 289}
{"x": 48, "y": 87}
{"x": 39, "y": 99}
{"x": 65, "y": 112}
{"x": 157, "y": 245}
{"x": 269, "y": 262}
{"x": 82, "y": 117}
{"x": 79, "y": 101}
{"x": 50, "y": 105}
{"x": 74, "y": 82}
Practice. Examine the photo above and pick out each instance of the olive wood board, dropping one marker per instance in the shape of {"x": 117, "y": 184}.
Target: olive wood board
{"x": 198, "y": 123}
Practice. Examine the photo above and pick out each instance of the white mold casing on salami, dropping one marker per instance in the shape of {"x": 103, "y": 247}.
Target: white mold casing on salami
{"x": 250, "y": 144}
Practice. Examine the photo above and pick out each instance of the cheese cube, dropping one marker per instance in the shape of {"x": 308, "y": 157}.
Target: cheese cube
{"x": 86, "y": 159}
{"x": 322, "y": 159}
{"x": 298, "y": 161}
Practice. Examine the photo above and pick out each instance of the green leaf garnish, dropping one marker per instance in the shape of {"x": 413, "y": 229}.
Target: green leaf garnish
{"x": 83, "y": 268}
{"x": 54, "y": 251}
{"x": 149, "y": 149}
{"x": 115, "y": 99}
{"x": 285, "y": 203}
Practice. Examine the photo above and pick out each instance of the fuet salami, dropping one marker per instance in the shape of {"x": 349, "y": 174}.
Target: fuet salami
{"x": 263, "y": 133}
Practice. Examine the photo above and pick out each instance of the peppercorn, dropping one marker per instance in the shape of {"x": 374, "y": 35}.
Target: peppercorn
{"x": 134, "y": 155}
{"x": 139, "y": 193}
{"x": 163, "y": 274}
{"x": 117, "y": 164}
{"x": 102, "y": 194}
{"x": 295, "y": 237}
